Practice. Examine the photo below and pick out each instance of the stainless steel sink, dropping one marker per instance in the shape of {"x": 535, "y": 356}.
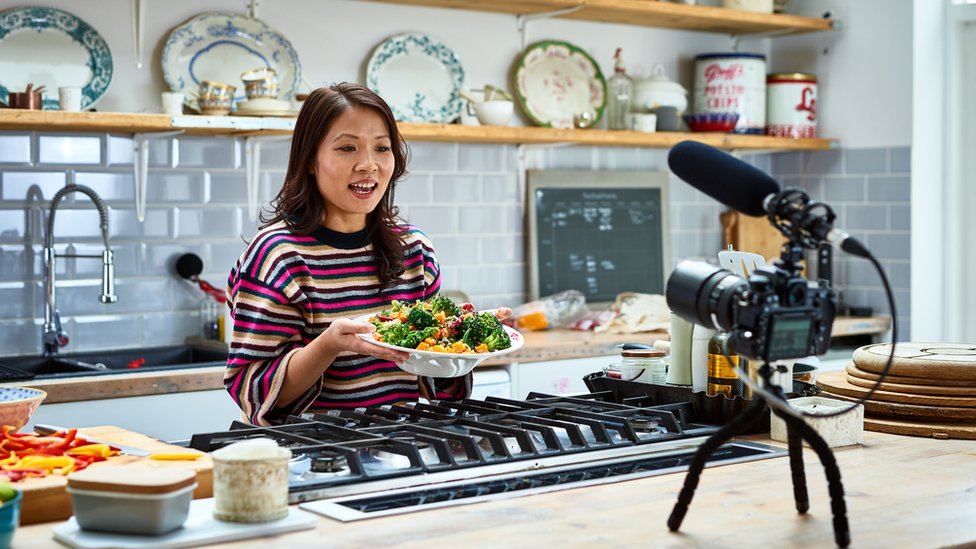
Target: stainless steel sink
{"x": 108, "y": 362}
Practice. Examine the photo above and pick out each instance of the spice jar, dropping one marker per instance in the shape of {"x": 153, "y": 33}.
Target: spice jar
{"x": 643, "y": 365}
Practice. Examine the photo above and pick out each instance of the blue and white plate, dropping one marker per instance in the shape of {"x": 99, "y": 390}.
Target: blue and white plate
{"x": 220, "y": 46}
{"x": 418, "y": 76}
{"x": 53, "y": 48}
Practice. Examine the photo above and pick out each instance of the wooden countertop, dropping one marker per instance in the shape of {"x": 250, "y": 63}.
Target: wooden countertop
{"x": 900, "y": 492}
{"x": 539, "y": 346}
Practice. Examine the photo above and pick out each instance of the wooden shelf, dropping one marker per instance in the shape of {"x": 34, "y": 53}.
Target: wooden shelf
{"x": 80, "y": 122}
{"x": 646, "y": 13}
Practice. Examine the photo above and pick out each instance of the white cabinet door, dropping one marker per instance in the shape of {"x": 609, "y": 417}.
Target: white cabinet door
{"x": 556, "y": 377}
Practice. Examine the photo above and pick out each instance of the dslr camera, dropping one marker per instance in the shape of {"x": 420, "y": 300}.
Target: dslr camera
{"x": 774, "y": 314}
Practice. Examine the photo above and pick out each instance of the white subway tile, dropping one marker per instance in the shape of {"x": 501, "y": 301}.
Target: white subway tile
{"x": 15, "y": 149}
{"x": 67, "y": 149}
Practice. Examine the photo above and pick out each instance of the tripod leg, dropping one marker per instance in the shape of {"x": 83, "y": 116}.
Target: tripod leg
{"x": 842, "y": 531}
{"x": 800, "y": 495}
{"x": 738, "y": 424}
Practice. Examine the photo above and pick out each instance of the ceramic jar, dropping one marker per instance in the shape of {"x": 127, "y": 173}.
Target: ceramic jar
{"x": 659, "y": 91}
{"x": 732, "y": 82}
{"x": 250, "y": 482}
{"x": 791, "y": 105}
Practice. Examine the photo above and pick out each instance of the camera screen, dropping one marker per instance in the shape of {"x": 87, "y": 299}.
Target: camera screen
{"x": 789, "y": 336}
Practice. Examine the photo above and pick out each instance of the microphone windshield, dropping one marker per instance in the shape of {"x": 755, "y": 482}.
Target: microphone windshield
{"x": 720, "y": 175}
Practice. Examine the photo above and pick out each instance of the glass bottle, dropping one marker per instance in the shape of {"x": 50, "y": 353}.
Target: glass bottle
{"x": 620, "y": 91}
{"x": 722, "y": 377}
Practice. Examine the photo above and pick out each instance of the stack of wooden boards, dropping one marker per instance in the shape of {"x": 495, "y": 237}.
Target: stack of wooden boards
{"x": 930, "y": 389}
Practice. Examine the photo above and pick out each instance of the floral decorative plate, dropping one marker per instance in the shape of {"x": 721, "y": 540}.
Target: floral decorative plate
{"x": 433, "y": 364}
{"x": 556, "y": 81}
{"x": 53, "y": 48}
{"x": 219, "y": 46}
{"x": 418, "y": 76}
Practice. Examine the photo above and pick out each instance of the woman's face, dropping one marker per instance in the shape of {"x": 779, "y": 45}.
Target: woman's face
{"x": 352, "y": 168}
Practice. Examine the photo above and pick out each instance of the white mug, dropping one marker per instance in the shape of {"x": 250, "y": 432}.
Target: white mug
{"x": 69, "y": 98}
{"x": 468, "y": 116}
{"x": 642, "y": 121}
{"x": 172, "y": 103}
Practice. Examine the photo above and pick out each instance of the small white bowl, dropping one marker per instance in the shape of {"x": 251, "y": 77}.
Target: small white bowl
{"x": 431, "y": 364}
{"x": 494, "y": 113}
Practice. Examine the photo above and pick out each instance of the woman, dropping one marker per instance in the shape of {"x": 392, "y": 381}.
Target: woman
{"x": 331, "y": 250}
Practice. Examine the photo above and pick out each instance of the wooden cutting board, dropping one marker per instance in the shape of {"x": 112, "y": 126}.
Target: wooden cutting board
{"x": 859, "y": 377}
{"x": 918, "y": 428}
{"x": 838, "y": 383}
{"x": 834, "y": 384}
{"x": 932, "y": 361}
{"x": 46, "y": 499}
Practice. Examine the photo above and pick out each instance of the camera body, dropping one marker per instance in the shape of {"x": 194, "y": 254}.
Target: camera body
{"x": 774, "y": 314}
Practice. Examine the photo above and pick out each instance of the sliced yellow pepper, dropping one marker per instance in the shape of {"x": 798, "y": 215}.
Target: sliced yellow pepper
{"x": 175, "y": 457}
{"x": 102, "y": 450}
{"x": 48, "y": 463}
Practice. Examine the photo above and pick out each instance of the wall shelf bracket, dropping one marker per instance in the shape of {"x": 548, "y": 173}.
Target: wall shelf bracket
{"x": 140, "y": 166}
{"x": 252, "y": 169}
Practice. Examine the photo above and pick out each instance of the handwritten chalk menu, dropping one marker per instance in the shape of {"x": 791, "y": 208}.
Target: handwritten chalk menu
{"x": 601, "y": 233}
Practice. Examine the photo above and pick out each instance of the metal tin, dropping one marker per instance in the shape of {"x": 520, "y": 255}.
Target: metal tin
{"x": 732, "y": 82}
{"x": 791, "y": 100}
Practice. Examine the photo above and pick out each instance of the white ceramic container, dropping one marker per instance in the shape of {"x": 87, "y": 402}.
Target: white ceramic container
{"x": 791, "y": 105}
{"x": 732, "y": 82}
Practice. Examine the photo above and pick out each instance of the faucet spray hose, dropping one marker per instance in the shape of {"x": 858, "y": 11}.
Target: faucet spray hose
{"x": 56, "y": 200}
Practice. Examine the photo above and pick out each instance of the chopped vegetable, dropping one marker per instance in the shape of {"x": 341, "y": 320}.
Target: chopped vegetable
{"x": 441, "y": 326}
{"x": 24, "y": 455}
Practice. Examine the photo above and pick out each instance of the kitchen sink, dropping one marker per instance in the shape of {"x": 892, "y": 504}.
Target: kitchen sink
{"x": 108, "y": 362}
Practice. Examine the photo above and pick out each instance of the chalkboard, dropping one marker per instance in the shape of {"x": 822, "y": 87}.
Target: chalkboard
{"x": 601, "y": 233}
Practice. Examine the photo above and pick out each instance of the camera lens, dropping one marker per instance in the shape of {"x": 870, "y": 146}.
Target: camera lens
{"x": 704, "y": 294}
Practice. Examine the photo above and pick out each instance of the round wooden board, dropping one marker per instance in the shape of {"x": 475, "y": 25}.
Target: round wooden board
{"x": 837, "y": 383}
{"x": 911, "y": 388}
{"x": 936, "y": 430}
{"x": 942, "y": 361}
{"x": 854, "y": 371}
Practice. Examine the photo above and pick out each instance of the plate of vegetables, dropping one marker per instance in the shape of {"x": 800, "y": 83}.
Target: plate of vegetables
{"x": 443, "y": 338}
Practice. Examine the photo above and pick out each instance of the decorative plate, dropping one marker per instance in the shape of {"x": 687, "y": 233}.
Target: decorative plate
{"x": 220, "y": 46}
{"x": 418, "y": 76}
{"x": 53, "y": 48}
{"x": 431, "y": 364}
{"x": 556, "y": 81}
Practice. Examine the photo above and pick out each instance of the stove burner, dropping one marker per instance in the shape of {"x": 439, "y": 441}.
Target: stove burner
{"x": 328, "y": 463}
{"x": 644, "y": 424}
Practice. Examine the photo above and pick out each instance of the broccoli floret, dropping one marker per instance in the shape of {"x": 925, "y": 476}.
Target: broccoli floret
{"x": 484, "y": 328}
{"x": 420, "y": 318}
{"x": 443, "y": 304}
{"x": 402, "y": 336}
{"x": 497, "y": 340}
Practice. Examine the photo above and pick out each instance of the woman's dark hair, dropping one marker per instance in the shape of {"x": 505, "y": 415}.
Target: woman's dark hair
{"x": 299, "y": 203}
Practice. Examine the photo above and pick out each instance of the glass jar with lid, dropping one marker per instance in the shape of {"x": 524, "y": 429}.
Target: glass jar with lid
{"x": 643, "y": 365}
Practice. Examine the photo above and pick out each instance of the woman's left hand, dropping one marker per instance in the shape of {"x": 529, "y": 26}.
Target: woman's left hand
{"x": 503, "y": 312}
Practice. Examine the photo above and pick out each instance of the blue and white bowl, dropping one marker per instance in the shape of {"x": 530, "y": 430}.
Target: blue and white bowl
{"x": 18, "y": 404}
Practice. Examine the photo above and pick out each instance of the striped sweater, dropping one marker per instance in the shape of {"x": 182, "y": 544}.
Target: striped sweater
{"x": 286, "y": 289}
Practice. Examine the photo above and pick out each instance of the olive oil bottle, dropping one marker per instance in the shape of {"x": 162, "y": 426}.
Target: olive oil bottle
{"x": 722, "y": 377}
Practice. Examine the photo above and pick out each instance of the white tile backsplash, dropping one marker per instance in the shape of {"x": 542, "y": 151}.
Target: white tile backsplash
{"x": 467, "y": 197}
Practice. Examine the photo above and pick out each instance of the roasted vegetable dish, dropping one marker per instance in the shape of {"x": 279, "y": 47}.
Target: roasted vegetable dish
{"x": 440, "y": 325}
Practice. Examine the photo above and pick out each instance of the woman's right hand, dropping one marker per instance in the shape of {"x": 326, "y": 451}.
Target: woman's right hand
{"x": 342, "y": 335}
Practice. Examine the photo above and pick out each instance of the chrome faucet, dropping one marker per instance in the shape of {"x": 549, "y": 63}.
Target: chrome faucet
{"x": 54, "y": 337}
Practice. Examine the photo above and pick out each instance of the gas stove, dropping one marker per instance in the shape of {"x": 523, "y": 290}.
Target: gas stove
{"x": 378, "y": 461}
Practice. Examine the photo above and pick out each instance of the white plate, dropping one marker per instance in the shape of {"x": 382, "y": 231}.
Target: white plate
{"x": 51, "y": 47}
{"x": 220, "y": 46}
{"x": 556, "y": 81}
{"x": 431, "y": 364}
{"x": 418, "y": 76}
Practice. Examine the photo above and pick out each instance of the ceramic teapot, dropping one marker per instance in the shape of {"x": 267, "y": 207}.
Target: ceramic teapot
{"x": 659, "y": 91}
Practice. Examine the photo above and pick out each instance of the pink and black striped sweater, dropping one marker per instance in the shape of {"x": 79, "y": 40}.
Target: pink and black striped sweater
{"x": 286, "y": 289}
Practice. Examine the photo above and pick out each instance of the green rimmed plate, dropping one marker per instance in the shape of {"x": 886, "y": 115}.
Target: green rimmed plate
{"x": 556, "y": 81}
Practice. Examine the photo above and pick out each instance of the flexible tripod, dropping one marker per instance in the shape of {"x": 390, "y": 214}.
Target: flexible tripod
{"x": 797, "y": 432}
